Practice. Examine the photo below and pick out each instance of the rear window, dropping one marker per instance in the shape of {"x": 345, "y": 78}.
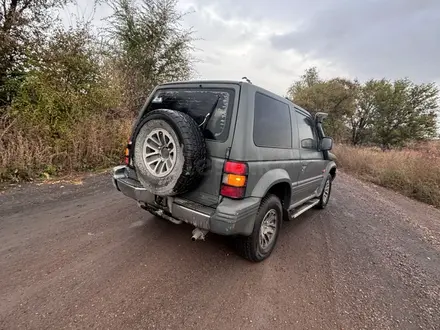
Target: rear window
{"x": 198, "y": 103}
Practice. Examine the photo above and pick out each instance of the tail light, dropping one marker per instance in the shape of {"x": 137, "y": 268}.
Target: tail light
{"x": 234, "y": 180}
{"x": 127, "y": 153}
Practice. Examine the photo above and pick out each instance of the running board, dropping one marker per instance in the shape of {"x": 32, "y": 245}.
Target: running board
{"x": 303, "y": 208}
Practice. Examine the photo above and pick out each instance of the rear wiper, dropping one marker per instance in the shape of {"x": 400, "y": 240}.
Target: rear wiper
{"x": 209, "y": 114}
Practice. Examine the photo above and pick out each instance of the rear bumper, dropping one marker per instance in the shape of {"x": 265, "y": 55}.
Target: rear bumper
{"x": 230, "y": 217}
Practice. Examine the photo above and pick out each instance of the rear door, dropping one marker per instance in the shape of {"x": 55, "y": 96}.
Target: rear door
{"x": 198, "y": 100}
{"x": 312, "y": 160}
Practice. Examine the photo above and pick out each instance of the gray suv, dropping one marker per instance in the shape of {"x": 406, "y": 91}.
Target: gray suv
{"x": 227, "y": 157}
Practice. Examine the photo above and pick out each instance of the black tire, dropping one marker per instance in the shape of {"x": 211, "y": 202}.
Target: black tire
{"x": 324, "y": 198}
{"x": 189, "y": 155}
{"x": 249, "y": 247}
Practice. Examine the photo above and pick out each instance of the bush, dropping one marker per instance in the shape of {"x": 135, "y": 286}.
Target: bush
{"x": 68, "y": 97}
{"x": 63, "y": 117}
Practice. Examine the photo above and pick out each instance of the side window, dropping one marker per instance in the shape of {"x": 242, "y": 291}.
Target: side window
{"x": 272, "y": 123}
{"x": 307, "y": 132}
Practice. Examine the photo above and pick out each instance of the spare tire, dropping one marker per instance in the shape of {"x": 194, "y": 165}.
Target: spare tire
{"x": 170, "y": 153}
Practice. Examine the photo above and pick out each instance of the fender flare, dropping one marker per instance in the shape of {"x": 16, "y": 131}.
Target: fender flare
{"x": 269, "y": 180}
{"x": 330, "y": 166}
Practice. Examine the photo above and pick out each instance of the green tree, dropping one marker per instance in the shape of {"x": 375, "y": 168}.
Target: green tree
{"x": 362, "y": 119}
{"x": 336, "y": 96}
{"x": 149, "y": 46}
{"x": 23, "y": 24}
{"x": 65, "y": 84}
{"x": 378, "y": 111}
{"x": 403, "y": 111}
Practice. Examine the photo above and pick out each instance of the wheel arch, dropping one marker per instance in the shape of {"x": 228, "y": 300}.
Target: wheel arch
{"x": 276, "y": 182}
{"x": 330, "y": 170}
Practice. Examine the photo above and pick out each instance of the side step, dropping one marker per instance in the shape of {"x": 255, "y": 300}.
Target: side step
{"x": 307, "y": 206}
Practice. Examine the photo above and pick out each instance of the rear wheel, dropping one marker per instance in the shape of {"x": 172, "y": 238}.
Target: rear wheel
{"x": 260, "y": 244}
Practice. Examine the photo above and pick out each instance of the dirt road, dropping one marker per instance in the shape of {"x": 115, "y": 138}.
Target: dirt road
{"x": 84, "y": 256}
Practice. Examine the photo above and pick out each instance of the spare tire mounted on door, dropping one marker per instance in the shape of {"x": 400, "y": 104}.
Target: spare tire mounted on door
{"x": 170, "y": 152}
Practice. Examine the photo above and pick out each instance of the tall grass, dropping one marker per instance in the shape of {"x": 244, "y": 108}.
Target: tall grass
{"x": 414, "y": 172}
{"x": 97, "y": 142}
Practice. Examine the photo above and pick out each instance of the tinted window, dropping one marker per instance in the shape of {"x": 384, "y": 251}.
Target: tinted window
{"x": 198, "y": 103}
{"x": 272, "y": 125}
{"x": 306, "y": 129}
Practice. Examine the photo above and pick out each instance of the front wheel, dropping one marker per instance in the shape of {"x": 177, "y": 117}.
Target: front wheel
{"x": 325, "y": 195}
{"x": 260, "y": 244}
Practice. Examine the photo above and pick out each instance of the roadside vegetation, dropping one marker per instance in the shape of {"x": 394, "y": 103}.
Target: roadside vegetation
{"x": 68, "y": 96}
{"x": 414, "y": 172}
{"x": 384, "y": 130}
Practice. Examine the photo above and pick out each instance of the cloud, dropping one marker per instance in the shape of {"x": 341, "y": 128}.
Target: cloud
{"x": 233, "y": 46}
{"x": 372, "y": 39}
{"x": 85, "y": 11}
{"x": 273, "y": 42}
{"x": 286, "y": 11}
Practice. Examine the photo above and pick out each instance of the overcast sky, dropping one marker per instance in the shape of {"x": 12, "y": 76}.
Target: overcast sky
{"x": 272, "y": 42}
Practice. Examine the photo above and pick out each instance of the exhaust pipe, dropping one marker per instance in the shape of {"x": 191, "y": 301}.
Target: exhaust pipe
{"x": 198, "y": 234}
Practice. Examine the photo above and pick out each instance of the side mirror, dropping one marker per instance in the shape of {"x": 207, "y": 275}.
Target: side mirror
{"x": 308, "y": 144}
{"x": 326, "y": 144}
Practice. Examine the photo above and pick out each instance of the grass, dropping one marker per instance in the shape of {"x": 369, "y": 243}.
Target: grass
{"x": 414, "y": 171}
{"x": 93, "y": 144}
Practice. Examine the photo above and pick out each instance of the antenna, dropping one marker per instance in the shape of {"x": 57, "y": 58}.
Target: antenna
{"x": 246, "y": 79}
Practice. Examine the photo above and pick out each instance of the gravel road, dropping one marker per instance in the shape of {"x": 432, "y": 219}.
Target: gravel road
{"x": 81, "y": 256}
